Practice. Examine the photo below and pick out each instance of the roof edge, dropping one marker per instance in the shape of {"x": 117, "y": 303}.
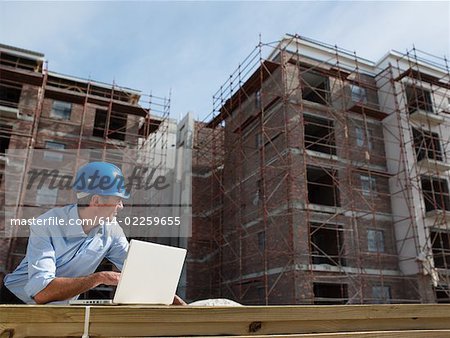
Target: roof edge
{"x": 22, "y": 51}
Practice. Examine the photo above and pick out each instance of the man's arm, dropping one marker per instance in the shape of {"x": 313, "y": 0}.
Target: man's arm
{"x": 61, "y": 288}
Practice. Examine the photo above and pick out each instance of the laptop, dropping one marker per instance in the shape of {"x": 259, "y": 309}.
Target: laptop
{"x": 150, "y": 275}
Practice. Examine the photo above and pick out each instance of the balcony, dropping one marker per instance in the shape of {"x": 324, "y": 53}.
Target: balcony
{"x": 8, "y": 111}
{"x": 421, "y": 116}
{"x": 4, "y": 159}
{"x": 438, "y": 214}
{"x": 429, "y": 165}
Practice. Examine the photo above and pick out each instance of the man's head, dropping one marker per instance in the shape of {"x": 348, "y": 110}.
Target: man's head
{"x": 100, "y": 185}
{"x": 102, "y": 206}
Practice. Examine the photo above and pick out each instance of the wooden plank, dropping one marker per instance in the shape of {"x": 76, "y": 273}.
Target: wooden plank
{"x": 219, "y": 314}
{"x": 42, "y": 330}
{"x": 125, "y": 321}
{"x": 371, "y": 334}
{"x": 200, "y": 328}
{"x": 41, "y": 314}
{"x": 274, "y": 313}
{"x": 367, "y": 334}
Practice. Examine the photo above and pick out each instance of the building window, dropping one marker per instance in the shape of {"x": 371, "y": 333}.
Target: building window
{"x": 363, "y": 137}
{"x": 330, "y": 293}
{"x": 117, "y": 125}
{"x": 368, "y": 185}
{"x": 322, "y": 186}
{"x": 327, "y": 244}
{"x": 315, "y": 88}
{"x": 61, "y": 110}
{"x": 258, "y": 140}
{"x": 442, "y": 293}
{"x": 360, "y": 137}
{"x": 261, "y": 291}
{"x": 259, "y": 194}
{"x": 5, "y": 137}
{"x": 440, "y": 243}
{"x": 375, "y": 240}
{"x": 95, "y": 155}
{"x": 115, "y": 157}
{"x": 418, "y": 99}
{"x": 435, "y": 194}
{"x": 319, "y": 135}
{"x": 359, "y": 94}
{"x": 261, "y": 240}
{"x": 46, "y": 196}
{"x": 258, "y": 99}
{"x": 56, "y": 155}
{"x": 381, "y": 294}
{"x": 10, "y": 94}
{"x": 427, "y": 145}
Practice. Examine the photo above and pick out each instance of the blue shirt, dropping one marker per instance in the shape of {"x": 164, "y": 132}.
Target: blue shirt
{"x": 64, "y": 251}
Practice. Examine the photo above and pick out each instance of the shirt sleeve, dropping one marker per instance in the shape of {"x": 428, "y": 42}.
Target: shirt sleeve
{"x": 41, "y": 261}
{"x": 119, "y": 247}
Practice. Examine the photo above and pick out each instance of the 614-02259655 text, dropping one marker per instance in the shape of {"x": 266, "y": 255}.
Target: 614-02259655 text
{"x": 146, "y": 221}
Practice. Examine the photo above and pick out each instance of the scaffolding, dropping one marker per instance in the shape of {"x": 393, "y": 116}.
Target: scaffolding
{"x": 319, "y": 178}
{"x": 67, "y": 115}
{"x": 322, "y": 178}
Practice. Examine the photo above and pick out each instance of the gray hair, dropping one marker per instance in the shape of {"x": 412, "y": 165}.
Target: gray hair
{"x": 84, "y": 201}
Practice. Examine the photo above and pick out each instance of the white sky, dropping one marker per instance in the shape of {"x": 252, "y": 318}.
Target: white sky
{"x": 192, "y": 47}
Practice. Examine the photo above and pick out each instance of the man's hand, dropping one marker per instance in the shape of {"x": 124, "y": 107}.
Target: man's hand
{"x": 178, "y": 301}
{"x": 107, "y": 277}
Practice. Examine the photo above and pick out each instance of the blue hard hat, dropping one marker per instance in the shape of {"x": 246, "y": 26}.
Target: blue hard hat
{"x": 100, "y": 178}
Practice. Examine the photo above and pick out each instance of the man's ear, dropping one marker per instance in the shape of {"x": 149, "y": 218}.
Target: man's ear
{"x": 95, "y": 201}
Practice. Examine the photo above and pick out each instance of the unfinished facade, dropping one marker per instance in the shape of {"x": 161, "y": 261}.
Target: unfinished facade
{"x": 320, "y": 178}
{"x": 323, "y": 179}
{"x": 40, "y": 109}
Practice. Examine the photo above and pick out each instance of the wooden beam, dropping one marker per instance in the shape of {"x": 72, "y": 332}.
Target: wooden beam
{"x": 368, "y": 334}
{"x": 126, "y": 321}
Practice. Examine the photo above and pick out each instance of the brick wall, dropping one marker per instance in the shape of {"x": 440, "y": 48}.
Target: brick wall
{"x": 282, "y": 181}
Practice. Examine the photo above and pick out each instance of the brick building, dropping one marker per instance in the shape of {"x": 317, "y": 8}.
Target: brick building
{"x": 322, "y": 178}
{"x": 60, "y": 114}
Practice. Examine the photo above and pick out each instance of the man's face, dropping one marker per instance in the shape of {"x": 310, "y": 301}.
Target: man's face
{"x": 109, "y": 206}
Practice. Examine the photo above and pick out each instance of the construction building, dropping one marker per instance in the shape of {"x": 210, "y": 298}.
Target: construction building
{"x": 320, "y": 177}
{"x": 60, "y": 114}
{"x": 323, "y": 178}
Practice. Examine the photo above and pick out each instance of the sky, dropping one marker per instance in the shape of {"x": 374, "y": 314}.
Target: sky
{"x": 188, "y": 49}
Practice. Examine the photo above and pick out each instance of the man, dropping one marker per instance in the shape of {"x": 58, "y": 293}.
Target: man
{"x": 61, "y": 260}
